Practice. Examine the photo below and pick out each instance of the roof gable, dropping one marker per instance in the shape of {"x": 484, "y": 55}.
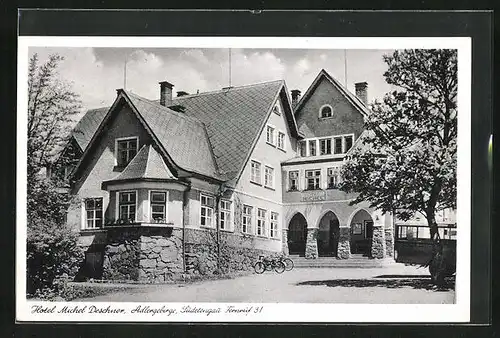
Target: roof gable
{"x": 323, "y": 75}
{"x": 146, "y": 164}
{"x": 234, "y": 119}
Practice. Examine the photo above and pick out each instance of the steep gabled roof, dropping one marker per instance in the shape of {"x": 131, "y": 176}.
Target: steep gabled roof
{"x": 234, "y": 118}
{"x": 146, "y": 164}
{"x": 183, "y": 138}
{"x": 217, "y": 131}
{"x": 355, "y": 101}
{"x": 87, "y": 126}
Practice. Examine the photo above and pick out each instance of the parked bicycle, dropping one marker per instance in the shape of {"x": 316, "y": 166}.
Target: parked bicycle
{"x": 269, "y": 264}
{"x": 288, "y": 263}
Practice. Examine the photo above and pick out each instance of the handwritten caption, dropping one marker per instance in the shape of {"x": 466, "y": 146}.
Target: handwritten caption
{"x": 152, "y": 311}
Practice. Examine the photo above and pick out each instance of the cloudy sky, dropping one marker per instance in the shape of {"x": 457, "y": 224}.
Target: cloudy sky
{"x": 95, "y": 73}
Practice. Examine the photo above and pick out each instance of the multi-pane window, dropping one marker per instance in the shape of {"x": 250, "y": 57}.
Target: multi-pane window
{"x": 225, "y": 215}
{"x": 273, "y": 229}
{"x": 302, "y": 148}
{"x": 293, "y": 180}
{"x": 325, "y": 146}
{"x": 313, "y": 178}
{"x": 281, "y": 140}
{"x": 158, "y": 205}
{"x": 246, "y": 221}
{"x": 312, "y": 148}
{"x": 270, "y": 135}
{"x": 126, "y": 150}
{"x": 127, "y": 204}
{"x": 326, "y": 111}
{"x": 333, "y": 178}
{"x": 348, "y": 143}
{"x": 261, "y": 222}
{"x": 269, "y": 177}
{"x": 255, "y": 172}
{"x": 93, "y": 213}
{"x": 338, "y": 145}
{"x": 207, "y": 211}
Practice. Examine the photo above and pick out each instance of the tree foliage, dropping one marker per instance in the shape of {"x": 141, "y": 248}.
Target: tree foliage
{"x": 408, "y": 156}
{"x": 52, "y": 247}
{"x": 52, "y": 105}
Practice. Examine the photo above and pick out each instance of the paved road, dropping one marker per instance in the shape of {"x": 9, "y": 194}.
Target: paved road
{"x": 399, "y": 284}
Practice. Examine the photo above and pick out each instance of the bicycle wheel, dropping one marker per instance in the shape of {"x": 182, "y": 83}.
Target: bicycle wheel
{"x": 288, "y": 264}
{"x": 279, "y": 267}
{"x": 259, "y": 267}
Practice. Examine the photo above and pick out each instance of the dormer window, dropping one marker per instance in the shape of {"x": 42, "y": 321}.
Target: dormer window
{"x": 277, "y": 110}
{"x": 325, "y": 111}
{"x": 125, "y": 150}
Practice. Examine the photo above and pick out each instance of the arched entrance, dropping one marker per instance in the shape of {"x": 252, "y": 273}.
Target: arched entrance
{"x": 328, "y": 235}
{"x": 297, "y": 234}
{"x": 361, "y": 233}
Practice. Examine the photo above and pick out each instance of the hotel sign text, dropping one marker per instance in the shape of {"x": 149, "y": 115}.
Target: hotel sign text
{"x": 311, "y": 196}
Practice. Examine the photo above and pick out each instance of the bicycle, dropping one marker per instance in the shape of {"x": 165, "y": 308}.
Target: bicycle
{"x": 268, "y": 264}
{"x": 288, "y": 263}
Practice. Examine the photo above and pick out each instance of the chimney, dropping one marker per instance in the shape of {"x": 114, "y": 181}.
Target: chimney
{"x": 166, "y": 93}
{"x": 362, "y": 91}
{"x": 295, "y": 97}
{"x": 182, "y": 93}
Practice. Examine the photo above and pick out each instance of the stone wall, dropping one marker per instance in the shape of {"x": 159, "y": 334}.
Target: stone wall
{"x": 344, "y": 248}
{"x": 312, "y": 243}
{"x": 146, "y": 254}
{"x": 389, "y": 242}
{"x": 284, "y": 241}
{"x": 378, "y": 242}
{"x": 235, "y": 252}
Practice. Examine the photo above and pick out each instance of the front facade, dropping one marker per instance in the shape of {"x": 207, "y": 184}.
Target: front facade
{"x": 208, "y": 182}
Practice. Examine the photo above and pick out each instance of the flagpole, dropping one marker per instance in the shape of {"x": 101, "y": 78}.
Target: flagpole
{"x": 125, "y": 73}
{"x": 229, "y": 67}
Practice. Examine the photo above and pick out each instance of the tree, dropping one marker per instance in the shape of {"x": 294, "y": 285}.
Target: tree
{"x": 52, "y": 105}
{"x": 408, "y": 158}
{"x": 52, "y": 248}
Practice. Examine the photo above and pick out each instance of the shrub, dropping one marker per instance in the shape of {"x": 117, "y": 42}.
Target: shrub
{"x": 52, "y": 254}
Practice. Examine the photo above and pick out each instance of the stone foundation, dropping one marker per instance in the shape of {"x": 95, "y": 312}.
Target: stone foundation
{"x": 236, "y": 253}
{"x": 344, "y": 247}
{"x": 389, "y": 242}
{"x": 312, "y": 243}
{"x": 378, "y": 242}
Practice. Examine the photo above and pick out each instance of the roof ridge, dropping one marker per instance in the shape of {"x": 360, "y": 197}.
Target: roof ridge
{"x": 147, "y": 161}
{"x": 225, "y": 90}
{"x": 167, "y": 110}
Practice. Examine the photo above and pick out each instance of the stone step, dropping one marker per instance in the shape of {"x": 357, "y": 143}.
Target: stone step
{"x": 332, "y": 262}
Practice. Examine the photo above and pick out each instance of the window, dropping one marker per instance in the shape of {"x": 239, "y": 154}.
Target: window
{"x": 93, "y": 213}
{"x": 127, "y": 205}
{"x": 312, "y": 148}
{"x": 225, "y": 215}
{"x": 338, "y": 145}
{"x": 333, "y": 178}
{"x": 270, "y": 135}
{"x": 261, "y": 222}
{"x": 293, "y": 180}
{"x": 274, "y": 225}
{"x": 207, "y": 211}
{"x": 325, "y": 146}
{"x": 125, "y": 150}
{"x": 302, "y": 148}
{"x": 281, "y": 140}
{"x": 326, "y": 111}
{"x": 255, "y": 172}
{"x": 348, "y": 143}
{"x": 246, "y": 222}
{"x": 269, "y": 177}
{"x": 277, "y": 109}
{"x": 158, "y": 205}
{"x": 313, "y": 178}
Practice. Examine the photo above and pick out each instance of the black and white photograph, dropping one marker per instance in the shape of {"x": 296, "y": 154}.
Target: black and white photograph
{"x": 214, "y": 179}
